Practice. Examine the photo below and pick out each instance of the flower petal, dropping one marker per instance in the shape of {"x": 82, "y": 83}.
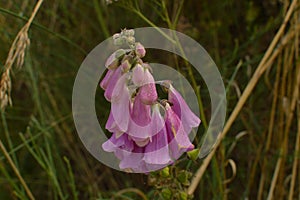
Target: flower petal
{"x": 140, "y": 118}
{"x": 120, "y": 104}
{"x": 138, "y": 75}
{"x": 177, "y": 137}
{"x": 134, "y": 160}
{"x": 157, "y": 151}
{"x": 148, "y": 90}
{"x": 112, "y": 127}
{"x": 180, "y": 107}
{"x": 105, "y": 80}
{"x": 114, "y": 78}
{"x": 122, "y": 146}
{"x": 141, "y": 143}
{"x": 142, "y": 124}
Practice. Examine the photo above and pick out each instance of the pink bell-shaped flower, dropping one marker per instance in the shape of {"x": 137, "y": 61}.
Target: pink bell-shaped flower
{"x": 180, "y": 107}
{"x": 143, "y": 125}
{"x": 157, "y": 151}
{"x": 120, "y": 104}
{"x": 178, "y": 139}
{"x": 121, "y": 146}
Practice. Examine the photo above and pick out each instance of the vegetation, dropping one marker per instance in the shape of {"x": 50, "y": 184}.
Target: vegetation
{"x": 254, "y": 43}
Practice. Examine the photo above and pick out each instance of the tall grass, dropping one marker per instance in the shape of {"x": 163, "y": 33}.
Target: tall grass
{"x": 254, "y": 43}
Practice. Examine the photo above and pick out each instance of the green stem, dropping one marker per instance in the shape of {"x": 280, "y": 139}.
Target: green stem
{"x": 178, "y": 14}
{"x": 100, "y": 18}
{"x": 189, "y": 68}
{"x": 153, "y": 25}
{"x": 8, "y": 137}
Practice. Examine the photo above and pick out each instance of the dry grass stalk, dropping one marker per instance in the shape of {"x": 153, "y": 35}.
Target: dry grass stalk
{"x": 266, "y": 61}
{"x": 16, "y": 171}
{"x": 297, "y": 142}
{"x": 271, "y": 126}
{"x": 16, "y": 55}
{"x": 289, "y": 95}
{"x": 5, "y": 88}
{"x": 295, "y": 97}
{"x": 296, "y": 158}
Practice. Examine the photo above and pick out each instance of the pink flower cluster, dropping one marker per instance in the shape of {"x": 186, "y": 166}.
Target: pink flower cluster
{"x": 148, "y": 133}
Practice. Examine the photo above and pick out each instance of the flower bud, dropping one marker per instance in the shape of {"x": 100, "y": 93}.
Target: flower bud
{"x": 183, "y": 177}
{"x": 166, "y": 193}
{"x": 130, "y": 40}
{"x": 125, "y": 66}
{"x": 165, "y": 172}
{"x": 119, "y": 41}
{"x": 116, "y": 36}
{"x": 119, "y": 54}
{"x": 140, "y": 50}
{"x": 152, "y": 180}
{"x": 183, "y": 196}
{"x": 113, "y": 60}
{"x": 129, "y": 32}
{"x": 193, "y": 154}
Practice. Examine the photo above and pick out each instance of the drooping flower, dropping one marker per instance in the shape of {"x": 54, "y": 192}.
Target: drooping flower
{"x": 144, "y": 125}
{"x": 129, "y": 154}
{"x": 125, "y": 66}
{"x": 143, "y": 139}
{"x": 178, "y": 139}
{"x": 156, "y": 153}
{"x": 140, "y": 117}
{"x": 122, "y": 146}
{"x": 120, "y": 103}
{"x": 180, "y": 107}
{"x": 112, "y": 127}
